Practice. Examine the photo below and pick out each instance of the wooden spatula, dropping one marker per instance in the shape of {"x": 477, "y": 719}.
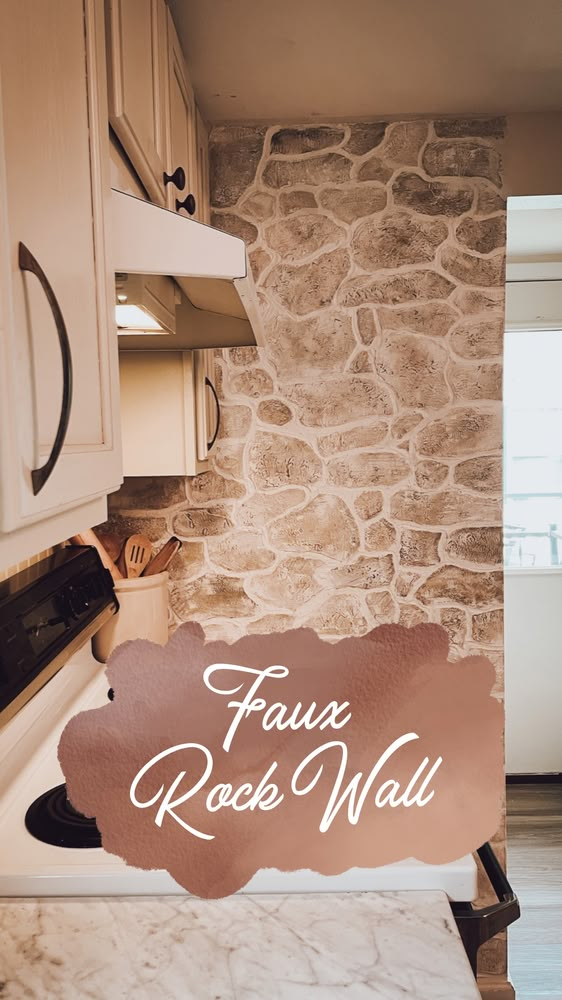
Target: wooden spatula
{"x": 160, "y": 562}
{"x": 135, "y": 555}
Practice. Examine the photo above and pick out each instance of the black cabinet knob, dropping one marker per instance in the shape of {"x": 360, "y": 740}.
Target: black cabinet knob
{"x": 188, "y": 203}
{"x": 177, "y": 178}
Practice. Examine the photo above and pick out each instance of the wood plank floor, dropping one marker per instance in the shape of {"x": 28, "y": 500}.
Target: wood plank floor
{"x": 534, "y": 839}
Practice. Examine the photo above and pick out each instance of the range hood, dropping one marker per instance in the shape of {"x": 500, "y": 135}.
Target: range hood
{"x": 215, "y": 297}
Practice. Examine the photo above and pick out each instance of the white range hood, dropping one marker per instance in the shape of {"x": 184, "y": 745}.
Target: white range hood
{"x": 218, "y": 302}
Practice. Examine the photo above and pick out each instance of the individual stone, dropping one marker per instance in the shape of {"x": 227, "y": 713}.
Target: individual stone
{"x": 365, "y": 136}
{"x": 210, "y": 486}
{"x": 235, "y": 421}
{"x": 373, "y": 169}
{"x": 470, "y": 382}
{"x": 480, "y": 545}
{"x": 483, "y": 474}
{"x": 366, "y": 325}
{"x": 369, "y": 504}
{"x": 201, "y": 522}
{"x": 240, "y": 553}
{"x": 311, "y": 286}
{"x": 188, "y": 562}
{"x": 315, "y": 170}
{"x": 487, "y": 627}
{"x": 293, "y": 582}
{"x": 430, "y": 474}
{"x": 432, "y": 318}
{"x": 396, "y": 239}
{"x": 404, "y": 141}
{"x": 253, "y": 382}
{"x": 364, "y": 436}
{"x": 300, "y": 236}
{"x": 380, "y": 535}
{"x": 383, "y": 608}
{"x": 414, "y": 367}
{"x": 261, "y": 508}
{"x": 274, "y": 411}
{"x": 259, "y": 260}
{"x": 444, "y": 507}
{"x": 259, "y": 205}
{"x": 493, "y": 128}
{"x": 341, "y": 615}
{"x": 368, "y": 469}
{"x": 463, "y": 430}
{"x": 125, "y": 525}
{"x": 402, "y": 427}
{"x": 325, "y": 526}
{"x": 489, "y": 201}
{"x": 366, "y": 573}
{"x": 453, "y": 621}
{"x": 350, "y": 204}
{"x": 474, "y": 270}
{"x": 483, "y": 235}
{"x": 461, "y": 585}
{"x": 478, "y": 339}
{"x": 318, "y": 344}
{"x": 243, "y": 356}
{"x": 395, "y": 289}
{"x": 148, "y": 493}
{"x": 270, "y": 623}
{"x": 404, "y": 583}
{"x": 305, "y": 139}
{"x": 212, "y": 595}
{"x": 275, "y": 460}
{"x": 462, "y": 158}
{"x": 228, "y": 458}
{"x": 411, "y": 615}
{"x": 432, "y": 197}
{"x": 235, "y": 225}
{"x": 293, "y": 201}
{"x": 419, "y": 548}
{"x": 360, "y": 362}
{"x": 475, "y": 300}
{"x": 339, "y": 400}
{"x": 234, "y": 154}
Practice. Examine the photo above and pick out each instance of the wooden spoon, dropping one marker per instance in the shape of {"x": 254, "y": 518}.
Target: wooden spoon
{"x": 135, "y": 555}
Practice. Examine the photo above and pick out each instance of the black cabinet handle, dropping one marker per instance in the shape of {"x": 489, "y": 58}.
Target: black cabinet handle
{"x": 27, "y": 262}
{"x": 210, "y": 386}
{"x": 177, "y": 178}
{"x": 188, "y": 203}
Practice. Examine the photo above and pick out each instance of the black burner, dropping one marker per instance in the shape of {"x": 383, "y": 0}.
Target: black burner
{"x": 52, "y": 819}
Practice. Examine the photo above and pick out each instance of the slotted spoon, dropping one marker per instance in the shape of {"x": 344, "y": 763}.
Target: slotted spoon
{"x": 136, "y": 554}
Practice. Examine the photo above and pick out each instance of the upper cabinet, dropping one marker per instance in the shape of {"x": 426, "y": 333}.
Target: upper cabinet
{"x": 59, "y": 417}
{"x": 182, "y": 186}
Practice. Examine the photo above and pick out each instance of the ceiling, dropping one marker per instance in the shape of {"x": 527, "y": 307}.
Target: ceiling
{"x": 306, "y": 60}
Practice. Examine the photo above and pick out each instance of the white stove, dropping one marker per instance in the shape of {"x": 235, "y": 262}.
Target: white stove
{"x": 29, "y": 867}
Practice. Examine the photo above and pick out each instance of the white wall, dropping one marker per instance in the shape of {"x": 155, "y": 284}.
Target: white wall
{"x": 533, "y": 671}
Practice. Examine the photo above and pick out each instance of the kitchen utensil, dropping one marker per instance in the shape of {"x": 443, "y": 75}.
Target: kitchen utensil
{"x": 160, "y": 562}
{"x": 87, "y": 537}
{"x": 143, "y": 614}
{"x": 111, "y": 542}
{"x": 135, "y": 556}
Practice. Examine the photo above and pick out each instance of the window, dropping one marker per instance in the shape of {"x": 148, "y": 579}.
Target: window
{"x": 533, "y": 448}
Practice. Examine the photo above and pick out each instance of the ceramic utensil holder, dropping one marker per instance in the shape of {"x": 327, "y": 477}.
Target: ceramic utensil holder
{"x": 143, "y": 614}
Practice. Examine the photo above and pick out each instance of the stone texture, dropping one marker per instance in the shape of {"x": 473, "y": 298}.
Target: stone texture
{"x": 198, "y": 523}
{"x": 402, "y": 427}
{"x": 309, "y": 287}
{"x": 483, "y": 473}
{"x": 443, "y": 508}
{"x": 235, "y": 421}
{"x": 430, "y": 474}
{"x": 259, "y": 260}
{"x": 396, "y": 239}
{"x": 189, "y": 562}
{"x": 366, "y": 325}
{"x": 360, "y": 362}
{"x": 395, "y": 289}
{"x": 212, "y": 595}
{"x": 465, "y": 158}
{"x": 324, "y": 526}
{"x": 487, "y": 627}
{"x": 228, "y": 458}
{"x": 479, "y": 545}
{"x": 135, "y": 524}
{"x": 478, "y": 339}
{"x": 462, "y": 431}
{"x": 339, "y": 615}
{"x": 148, "y": 492}
{"x": 275, "y": 460}
{"x": 365, "y": 136}
{"x": 369, "y": 504}
{"x": 364, "y": 436}
{"x": 474, "y": 270}
{"x": 274, "y": 411}
{"x": 311, "y": 346}
{"x": 235, "y": 225}
{"x": 349, "y": 204}
{"x": 261, "y": 508}
{"x": 300, "y": 236}
{"x": 380, "y": 535}
{"x": 240, "y": 553}
{"x": 483, "y": 235}
{"x": 414, "y": 367}
{"x": 366, "y": 573}
{"x": 293, "y": 582}
{"x": 242, "y": 357}
{"x": 329, "y": 168}
{"x": 411, "y": 615}
{"x": 268, "y": 624}
{"x": 259, "y": 205}
{"x": 454, "y": 621}
{"x": 253, "y": 382}
{"x": 383, "y": 608}
{"x": 210, "y": 486}
{"x": 339, "y": 400}
{"x": 488, "y": 201}
{"x": 461, "y": 585}
{"x": 475, "y": 381}
{"x": 419, "y": 548}
{"x": 434, "y": 319}
{"x": 404, "y": 141}
{"x": 404, "y": 584}
{"x": 484, "y": 127}
{"x": 373, "y": 169}
{"x": 475, "y": 300}
{"x": 294, "y": 201}
{"x": 432, "y": 197}
{"x": 368, "y": 469}
{"x": 234, "y": 154}
{"x": 305, "y": 139}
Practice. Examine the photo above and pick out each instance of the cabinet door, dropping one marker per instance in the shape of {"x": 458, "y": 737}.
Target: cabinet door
{"x": 138, "y": 97}
{"x": 204, "y": 198}
{"x": 53, "y": 186}
{"x": 182, "y": 125}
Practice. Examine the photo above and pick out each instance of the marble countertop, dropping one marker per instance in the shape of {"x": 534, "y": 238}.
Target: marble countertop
{"x": 357, "y": 946}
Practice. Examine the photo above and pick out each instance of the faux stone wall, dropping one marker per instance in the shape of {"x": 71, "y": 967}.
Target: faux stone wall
{"x": 357, "y": 478}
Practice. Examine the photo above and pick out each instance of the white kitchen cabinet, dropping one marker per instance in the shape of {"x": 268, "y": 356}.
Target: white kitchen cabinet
{"x": 137, "y": 48}
{"x": 59, "y": 421}
{"x": 183, "y": 191}
{"x": 169, "y": 412}
{"x": 203, "y": 192}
